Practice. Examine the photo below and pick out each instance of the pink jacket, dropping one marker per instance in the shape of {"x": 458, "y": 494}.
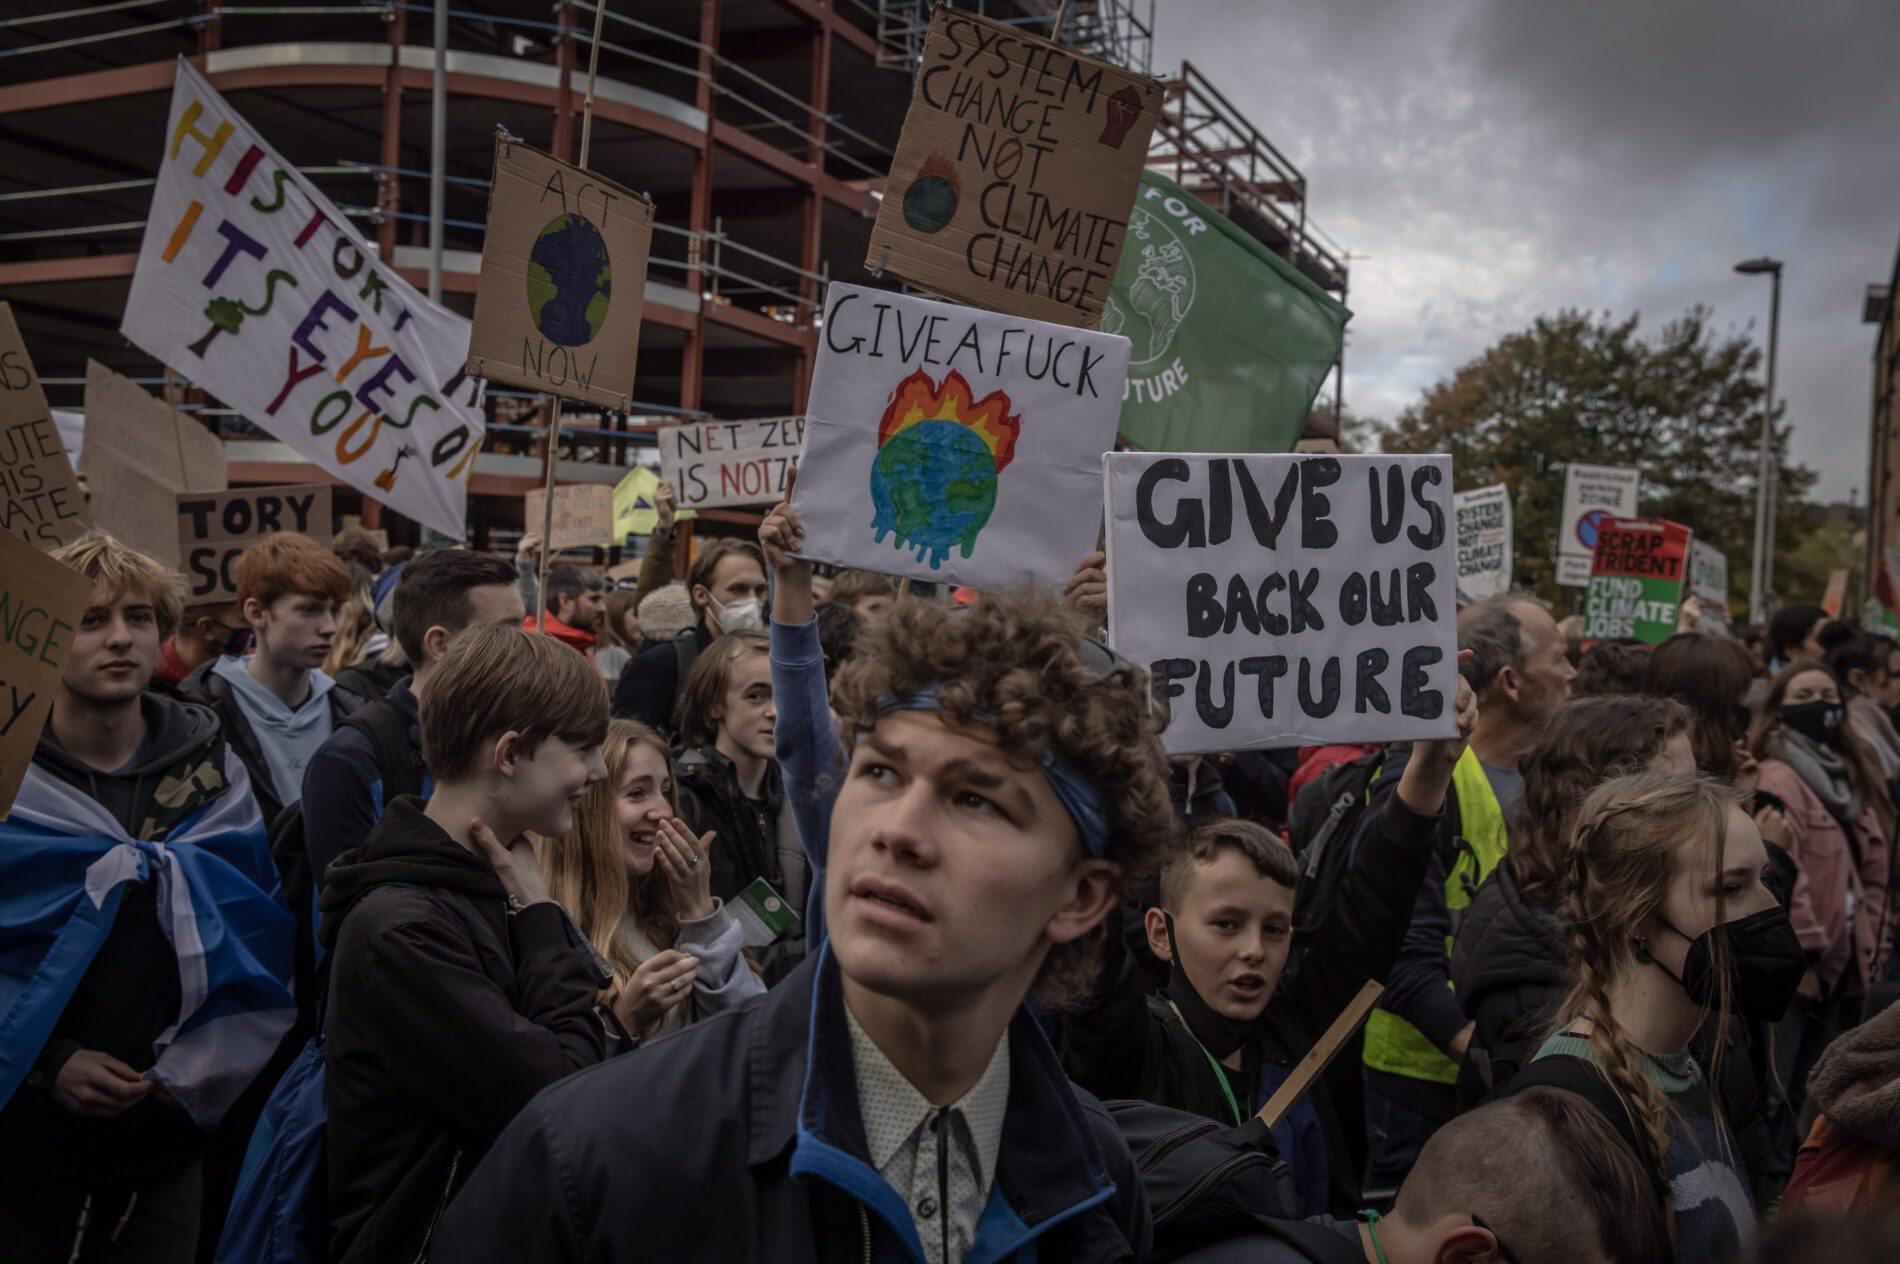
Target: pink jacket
{"x": 1827, "y": 875}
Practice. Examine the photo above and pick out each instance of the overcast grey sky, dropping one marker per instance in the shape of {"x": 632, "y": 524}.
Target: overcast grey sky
{"x": 1497, "y": 159}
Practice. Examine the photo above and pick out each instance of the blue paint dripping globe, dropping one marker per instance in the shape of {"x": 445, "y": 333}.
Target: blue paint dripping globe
{"x": 570, "y": 281}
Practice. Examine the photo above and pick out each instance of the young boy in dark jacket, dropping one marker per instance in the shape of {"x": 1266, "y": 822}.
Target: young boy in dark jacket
{"x": 458, "y": 988}
{"x": 894, "y": 1098}
{"x": 134, "y": 837}
{"x": 1230, "y": 1026}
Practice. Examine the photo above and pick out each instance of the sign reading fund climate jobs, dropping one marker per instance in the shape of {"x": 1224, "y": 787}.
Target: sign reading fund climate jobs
{"x": 1637, "y": 576}
{"x": 1286, "y": 600}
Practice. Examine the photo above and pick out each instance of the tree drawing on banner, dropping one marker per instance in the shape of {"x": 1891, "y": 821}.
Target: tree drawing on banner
{"x": 940, "y": 454}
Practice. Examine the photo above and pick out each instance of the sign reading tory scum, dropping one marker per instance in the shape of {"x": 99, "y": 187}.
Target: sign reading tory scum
{"x": 1015, "y": 171}
{"x": 946, "y": 443}
{"x": 1286, "y": 600}
{"x": 254, "y": 286}
{"x": 1484, "y": 542}
{"x": 564, "y": 274}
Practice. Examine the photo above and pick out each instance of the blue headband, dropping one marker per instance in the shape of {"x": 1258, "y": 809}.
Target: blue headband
{"x": 1078, "y": 792}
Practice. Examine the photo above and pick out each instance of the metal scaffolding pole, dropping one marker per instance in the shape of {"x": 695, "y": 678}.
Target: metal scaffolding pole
{"x": 438, "y": 146}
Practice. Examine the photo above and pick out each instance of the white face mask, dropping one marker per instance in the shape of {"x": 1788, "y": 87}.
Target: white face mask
{"x": 740, "y": 616}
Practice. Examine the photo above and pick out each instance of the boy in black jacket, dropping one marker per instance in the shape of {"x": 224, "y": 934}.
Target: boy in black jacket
{"x": 458, "y": 988}
{"x": 1228, "y": 1028}
{"x": 893, "y": 1098}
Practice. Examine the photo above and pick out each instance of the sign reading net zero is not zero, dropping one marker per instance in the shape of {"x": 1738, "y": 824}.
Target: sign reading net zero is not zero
{"x": 564, "y": 269}
{"x": 1636, "y": 579}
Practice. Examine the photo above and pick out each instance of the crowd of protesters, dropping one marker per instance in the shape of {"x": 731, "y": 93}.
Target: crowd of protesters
{"x": 405, "y": 909}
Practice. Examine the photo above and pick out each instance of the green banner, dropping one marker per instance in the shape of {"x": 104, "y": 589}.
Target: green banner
{"x": 1637, "y": 575}
{"x": 1230, "y": 341}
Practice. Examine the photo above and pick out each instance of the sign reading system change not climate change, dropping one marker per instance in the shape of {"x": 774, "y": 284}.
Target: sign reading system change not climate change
{"x": 1286, "y": 600}
{"x": 1013, "y": 177}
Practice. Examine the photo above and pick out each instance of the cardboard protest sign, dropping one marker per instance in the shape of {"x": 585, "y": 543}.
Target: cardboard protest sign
{"x": 1637, "y": 579}
{"x": 42, "y": 504}
{"x": 41, "y": 603}
{"x": 717, "y": 463}
{"x": 1013, "y": 177}
{"x": 1484, "y": 542}
{"x": 1286, "y": 600}
{"x": 254, "y": 286}
{"x": 72, "y": 432}
{"x": 140, "y": 453}
{"x": 1591, "y": 494}
{"x": 564, "y": 272}
{"x": 945, "y": 443}
{"x": 583, "y": 515}
{"x": 214, "y": 527}
{"x": 1230, "y": 341}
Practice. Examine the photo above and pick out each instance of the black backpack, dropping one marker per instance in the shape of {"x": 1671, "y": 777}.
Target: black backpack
{"x": 1321, "y": 824}
{"x": 403, "y": 773}
{"x": 1205, "y": 1181}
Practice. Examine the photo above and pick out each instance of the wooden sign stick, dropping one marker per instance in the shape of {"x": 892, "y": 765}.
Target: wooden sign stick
{"x": 547, "y": 519}
{"x": 1320, "y": 1055}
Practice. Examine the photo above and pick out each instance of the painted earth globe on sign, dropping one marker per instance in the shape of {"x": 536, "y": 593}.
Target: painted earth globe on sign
{"x": 569, "y": 281}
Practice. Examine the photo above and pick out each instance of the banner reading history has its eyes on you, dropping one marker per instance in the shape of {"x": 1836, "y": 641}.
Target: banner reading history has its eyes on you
{"x": 1230, "y": 342}
{"x": 951, "y": 444}
{"x": 253, "y": 285}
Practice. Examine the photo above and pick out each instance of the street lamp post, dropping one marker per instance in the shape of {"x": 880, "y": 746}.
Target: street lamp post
{"x": 1763, "y": 573}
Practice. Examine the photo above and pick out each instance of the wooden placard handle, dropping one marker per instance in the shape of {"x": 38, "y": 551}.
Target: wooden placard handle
{"x": 1321, "y": 1055}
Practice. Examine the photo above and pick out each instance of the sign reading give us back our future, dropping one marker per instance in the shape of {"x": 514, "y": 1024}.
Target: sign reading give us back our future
{"x": 253, "y": 285}
{"x": 1014, "y": 175}
{"x": 1286, "y": 600}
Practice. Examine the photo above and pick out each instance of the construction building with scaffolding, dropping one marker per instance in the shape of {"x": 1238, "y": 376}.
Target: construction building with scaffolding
{"x": 762, "y": 129}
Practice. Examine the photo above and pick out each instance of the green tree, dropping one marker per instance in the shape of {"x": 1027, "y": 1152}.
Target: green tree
{"x": 1801, "y": 573}
{"x": 1684, "y": 406}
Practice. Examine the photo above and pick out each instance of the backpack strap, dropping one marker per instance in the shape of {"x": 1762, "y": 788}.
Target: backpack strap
{"x": 1587, "y": 1080}
{"x": 396, "y": 756}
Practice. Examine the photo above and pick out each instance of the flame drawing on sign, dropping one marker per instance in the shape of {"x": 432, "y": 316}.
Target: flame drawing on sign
{"x": 940, "y": 451}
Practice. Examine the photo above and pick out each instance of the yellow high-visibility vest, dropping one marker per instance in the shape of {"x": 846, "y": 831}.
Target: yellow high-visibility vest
{"x": 1392, "y": 1044}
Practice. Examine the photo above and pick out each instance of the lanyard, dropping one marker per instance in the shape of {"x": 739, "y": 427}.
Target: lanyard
{"x": 1220, "y": 1072}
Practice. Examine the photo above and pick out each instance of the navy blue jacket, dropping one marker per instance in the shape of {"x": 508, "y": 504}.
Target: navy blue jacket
{"x": 740, "y": 1138}
{"x": 343, "y": 794}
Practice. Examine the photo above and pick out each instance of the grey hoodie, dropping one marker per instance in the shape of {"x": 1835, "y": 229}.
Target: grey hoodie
{"x": 288, "y": 739}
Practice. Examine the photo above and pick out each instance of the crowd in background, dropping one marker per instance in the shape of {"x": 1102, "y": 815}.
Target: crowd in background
{"x": 407, "y": 907}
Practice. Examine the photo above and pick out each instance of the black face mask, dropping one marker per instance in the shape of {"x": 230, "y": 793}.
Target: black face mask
{"x": 1819, "y": 722}
{"x": 1218, "y": 1034}
{"x": 1765, "y": 964}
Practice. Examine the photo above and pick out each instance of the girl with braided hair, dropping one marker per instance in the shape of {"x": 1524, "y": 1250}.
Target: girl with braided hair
{"x": 1670, "y": 930}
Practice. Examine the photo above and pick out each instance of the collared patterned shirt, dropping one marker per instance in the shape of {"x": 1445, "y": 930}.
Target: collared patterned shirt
{"x": 902, "y": 1129}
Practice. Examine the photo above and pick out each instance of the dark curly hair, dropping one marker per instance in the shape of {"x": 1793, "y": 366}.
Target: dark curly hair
{"x": 1014, "y": 663}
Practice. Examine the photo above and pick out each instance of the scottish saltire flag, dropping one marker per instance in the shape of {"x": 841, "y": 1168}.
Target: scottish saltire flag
{"x": 64, "y": 866}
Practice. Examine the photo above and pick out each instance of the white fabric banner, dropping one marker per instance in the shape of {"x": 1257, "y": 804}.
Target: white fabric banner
{"x": 1286, "y": 600}
{"x": 957, "y": 445}
{"x": 254, "y": 286}
{"x": 1484, "y": 542}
